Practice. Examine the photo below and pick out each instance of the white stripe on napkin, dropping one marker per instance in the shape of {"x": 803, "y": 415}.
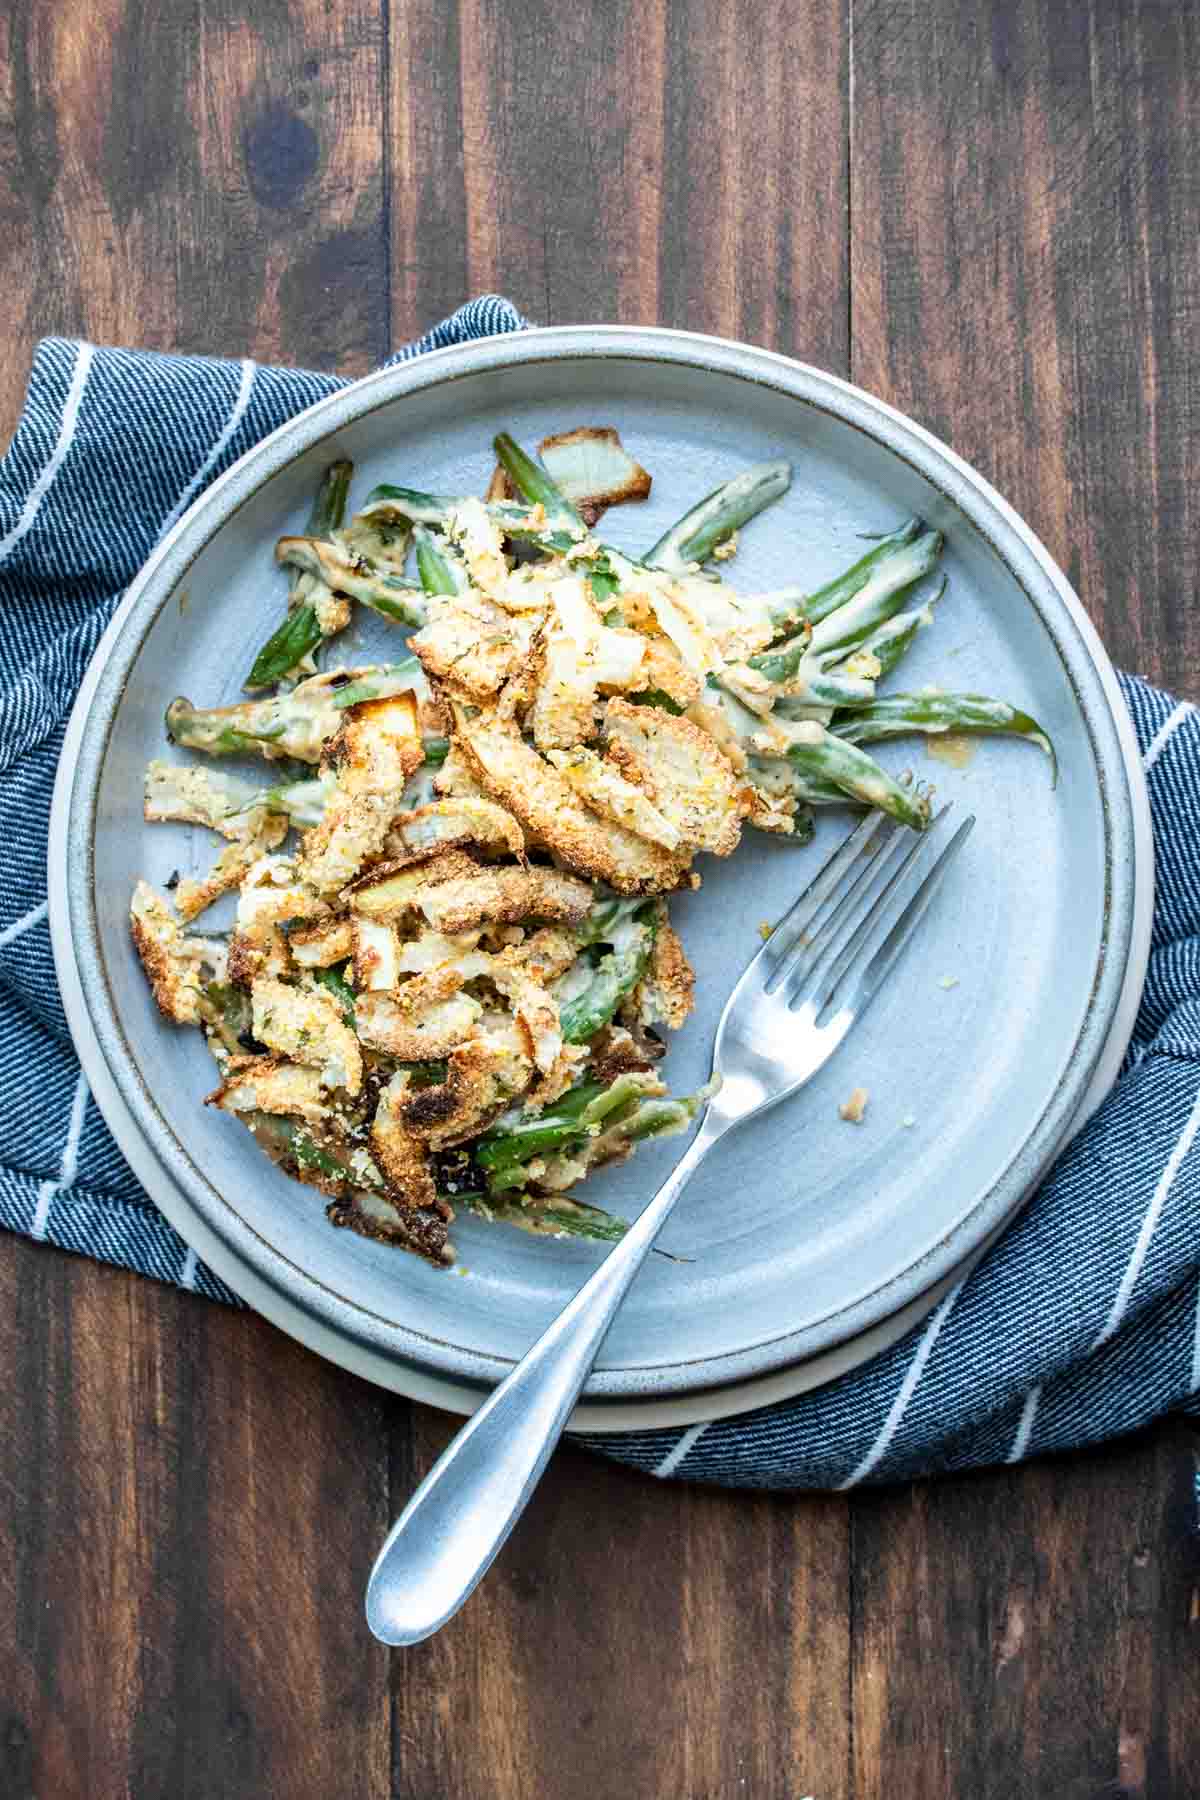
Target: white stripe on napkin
{"x": 1020, "y": 1443}
{"x": 1165, "y": 732}
{"x": 66, "y": 432}
{"x": 1153, "y": 1212}
{"x": 26, "y": 923}
{"x": 70, "y": 1160}
{"x": 908, "y": 1386}
{"x": 231, "y": 424}
{"x": 676, "y": 1454}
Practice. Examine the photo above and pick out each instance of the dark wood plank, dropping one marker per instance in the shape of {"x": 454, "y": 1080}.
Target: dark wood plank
{"x": 191, "y": 1502}
{"x": 1022, "y": 221}
{"x": 1032, "y": 1632}
{"x": 1024, "y": 217}
{"x": 531, "y": 174}
{"x": 624, "y": 162}
{"x": 754, "y": 198}
{"x": 200, "y": 179}
{"x": 190, "y": 1511}
{"x": 636, "y": 1639}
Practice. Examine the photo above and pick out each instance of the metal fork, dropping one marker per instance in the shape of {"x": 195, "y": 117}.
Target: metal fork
{"x": 815, "y": 975}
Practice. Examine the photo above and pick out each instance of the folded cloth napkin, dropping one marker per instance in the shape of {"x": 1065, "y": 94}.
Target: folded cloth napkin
{"x": 1082, "y": 1322}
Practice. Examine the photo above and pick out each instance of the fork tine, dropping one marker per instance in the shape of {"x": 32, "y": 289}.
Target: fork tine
{"x": 808, "y": 904}
{"x": 818, "y": 981}
{"x": 866, "y": 982}
{"x": 853, "y": 908}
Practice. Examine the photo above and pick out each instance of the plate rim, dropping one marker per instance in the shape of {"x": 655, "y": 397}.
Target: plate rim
{"x": 1048, "y": 593}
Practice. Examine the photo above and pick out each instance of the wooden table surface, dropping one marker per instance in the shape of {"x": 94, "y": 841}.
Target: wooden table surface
{"x": 987, "y": 213}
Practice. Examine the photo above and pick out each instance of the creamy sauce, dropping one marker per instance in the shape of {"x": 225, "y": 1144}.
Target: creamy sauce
{"x": 951, "y": 747}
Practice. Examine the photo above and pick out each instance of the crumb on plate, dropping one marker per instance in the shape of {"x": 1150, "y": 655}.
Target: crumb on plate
{"x": 853, "y": 1109}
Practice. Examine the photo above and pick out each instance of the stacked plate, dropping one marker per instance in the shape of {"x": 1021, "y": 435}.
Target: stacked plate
{"x": 807, "y": 1244}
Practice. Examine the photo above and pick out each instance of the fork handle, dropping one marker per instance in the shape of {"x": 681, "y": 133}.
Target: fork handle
{"x": 448, "y": 1535}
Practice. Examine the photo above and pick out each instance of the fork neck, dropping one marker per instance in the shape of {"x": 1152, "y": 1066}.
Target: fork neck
{"x": 716, "y": 1121}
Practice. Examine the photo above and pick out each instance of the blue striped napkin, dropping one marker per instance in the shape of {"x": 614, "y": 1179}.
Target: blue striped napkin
{"x": 1082, "y": 1322}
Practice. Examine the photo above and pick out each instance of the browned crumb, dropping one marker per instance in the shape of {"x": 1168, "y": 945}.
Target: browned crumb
{"x": 401, "y": 1156}
{"x": 668, "y": 992}
{"x": 853, "y": 1109}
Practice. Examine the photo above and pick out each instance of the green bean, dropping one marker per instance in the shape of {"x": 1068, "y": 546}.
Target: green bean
{"x": 800, "y": 677}
{"x": 890, "y": 642}
{"x": 809, "y": 790}
{"x": 296, "y": 724}
{"x": 381, "y": 541}
{"x": 302, "y": 801}
{"x": 823, "y": 758}
{"x": 656, "y": 697}
{"x": 286, "y": 648}
{"x": 409, "y": 505}
{"x": 379, "y": 683}
{"x": 521, "y": 523}
{"x": 559, "y": 1217}
{"x": 658, "y": 1115}
{"x": 226, "y": 1010}
{"x": 786, "y": 608}
{"x": 714, "y": 519}
{"x": 932, "y": 713}
{"x": 842, "y": 589}
{"x": 883, "y": 594}
{"x": 335, "y": 982}
{"x": 395, "y": 608}
{"x": 301, "y": 631}
{"x": 569, "y": 1120}
{"x": 605, "y": 916}
{"x": 804, "y": 826}
{"x": 199, "y": 729}
{"x": 618, "y": 971}
{"x": 516, "y": 1140}
{"x": 329, "y": 506}
{"x": 871, "y": 594}
{"x": 606, "y": 585}
{"x": 440, "y": 573}
{"x": 310, "y": 1154}
{"x": 290, "y": 1142}
{"x": 777, "y": 779}
{"x": 534, "y": 484}
{"x": 355, "y": 576}
{"x": 641, "y": 1117}
{"x": 427, "y": 1074}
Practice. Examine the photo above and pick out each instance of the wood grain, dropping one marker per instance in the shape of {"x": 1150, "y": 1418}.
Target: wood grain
{"x": 1018, "y": 221}
{"x": 998, "y": 235}
{"x": 656, "y": 163}
{"x": 1025, "y": 280}
{"x": 637, "y": 1639}
{"x": 189, "y": 1512}
{"x": 1054, "y": 1656}
{"x": 191, "y": 1501}
{"x": 192, "y": 177}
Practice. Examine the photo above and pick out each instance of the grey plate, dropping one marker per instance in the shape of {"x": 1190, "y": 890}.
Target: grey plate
{"x": 806, "y": 1232}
